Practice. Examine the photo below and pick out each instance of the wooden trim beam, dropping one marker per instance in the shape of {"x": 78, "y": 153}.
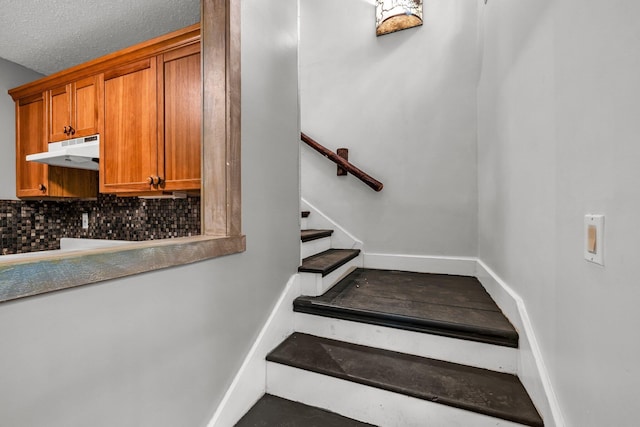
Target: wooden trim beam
{"x": 221, "y": 118}
{"x": 68, "y": 270}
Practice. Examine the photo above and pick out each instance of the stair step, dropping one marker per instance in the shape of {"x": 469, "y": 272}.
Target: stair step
{"x": 465, "y": 352}
{"x": 478, "y": 390}
{"x": 309, "y": 235}
{"x": 327, "y": 261}
{"x": 447, "y": 305}
{"x": 276, "y": 411}
{"x": 305, "y": 214}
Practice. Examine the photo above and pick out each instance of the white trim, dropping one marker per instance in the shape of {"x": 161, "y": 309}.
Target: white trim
{"x": 340, "y": 238}
{"x": 249, "y": 383}
{"x": 369, "y": 404}
{"x": 532, "y": 370}
{"x": 464, "y": 266}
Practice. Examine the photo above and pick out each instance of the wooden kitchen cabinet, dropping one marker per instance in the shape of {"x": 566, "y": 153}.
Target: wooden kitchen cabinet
{"x": 144, "y": 101}
{"x": 31, "y": 178}
{"x": 35, "y": 180}
{"x": 129, "y": 149}
{"x": 152, "y": 133}
{"x": 180, "y": 118}
{"x": 74, "y": 109}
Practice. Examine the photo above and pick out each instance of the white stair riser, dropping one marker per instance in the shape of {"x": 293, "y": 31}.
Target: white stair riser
{"x": 313, "y": 284}
{"x": 481, "y": 355}
{"x": 369, "y": 404}
{"x": 304, "y": 223}
{"x": 463, "y": 266}
{"x": 340, "y": 238}
{"x": 314, "y": 247}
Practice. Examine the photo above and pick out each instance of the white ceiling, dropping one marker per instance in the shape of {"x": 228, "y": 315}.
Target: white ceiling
{"x": 51, "y": 35}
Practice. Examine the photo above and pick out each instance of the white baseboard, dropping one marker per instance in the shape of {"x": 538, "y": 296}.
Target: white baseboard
{"x": 464, "y": 266}
{"x": 532, "y": 370}
{"x": 249, "y": 383}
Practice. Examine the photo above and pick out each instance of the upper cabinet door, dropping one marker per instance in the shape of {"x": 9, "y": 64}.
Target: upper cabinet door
{"x": 86, "y": 106}
{"x": 73, "y": 110}
{"x": 180, "y": 104}
{"x": 128, "y": 149}
{"x": 58, "y": 113}
{"x": 31, "y": 178}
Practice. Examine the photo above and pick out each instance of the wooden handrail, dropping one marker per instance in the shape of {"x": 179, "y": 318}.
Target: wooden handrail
{"x": 344, "y": 164}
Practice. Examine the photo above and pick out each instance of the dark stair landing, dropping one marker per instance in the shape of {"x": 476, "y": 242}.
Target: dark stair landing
{"x": 272, "y": 411}
{"x": 327, "y": 261}
{"x": 311, "y": 234}
{"x": 440, "y": 304}
{"x": 479, "y": 390}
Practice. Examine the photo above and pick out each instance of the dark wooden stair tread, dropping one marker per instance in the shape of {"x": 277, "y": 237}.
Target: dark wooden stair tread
{"x": 487, "y": 392}
{"x": 272, "y": 411}
{"x": 453, "y": 306}
{"x": 304, "y": 214}
{"x": 311, "y": 234}
{"x": 327, "y": 261}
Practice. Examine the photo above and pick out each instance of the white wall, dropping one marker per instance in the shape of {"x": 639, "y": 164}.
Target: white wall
{"x": 405, "y": 106}
{"x": 160, "y": 349}
{"x": 11, "y": 75}
{"x": 558, "y": 138}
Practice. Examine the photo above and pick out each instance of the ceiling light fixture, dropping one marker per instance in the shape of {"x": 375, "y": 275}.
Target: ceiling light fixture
{"x": 396, "y": 15}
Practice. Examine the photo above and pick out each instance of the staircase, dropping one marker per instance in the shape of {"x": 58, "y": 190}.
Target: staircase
{"x": 390, "y": 348}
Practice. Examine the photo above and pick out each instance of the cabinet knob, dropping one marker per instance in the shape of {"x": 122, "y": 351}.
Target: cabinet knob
{"x": 42, "y": 187}
{"x": 66, "y": 132}
{"x": 72, "y": 131}
{"x": 153, "y": 180}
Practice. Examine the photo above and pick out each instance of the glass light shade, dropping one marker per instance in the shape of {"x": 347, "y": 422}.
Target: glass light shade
{"x": 396, "y": 15}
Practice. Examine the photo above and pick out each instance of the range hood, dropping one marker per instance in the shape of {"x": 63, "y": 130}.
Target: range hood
{"x": 80, "y": 153}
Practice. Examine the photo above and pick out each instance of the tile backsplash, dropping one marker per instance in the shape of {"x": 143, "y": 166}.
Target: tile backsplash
{"x": 29, "y": 226}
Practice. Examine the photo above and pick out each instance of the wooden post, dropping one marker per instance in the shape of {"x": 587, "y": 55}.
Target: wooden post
{"x": 220, "y": 29}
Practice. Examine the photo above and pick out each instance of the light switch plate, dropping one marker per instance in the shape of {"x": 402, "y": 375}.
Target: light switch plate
{"x": 85, "y": 220}
{"x": 590, "y": 222}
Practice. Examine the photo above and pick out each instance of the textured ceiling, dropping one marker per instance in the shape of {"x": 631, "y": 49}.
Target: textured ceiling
{"x": 51, "y": 35}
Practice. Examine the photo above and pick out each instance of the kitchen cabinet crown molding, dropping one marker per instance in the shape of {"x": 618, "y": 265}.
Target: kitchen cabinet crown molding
{"x": 148, "y": 49}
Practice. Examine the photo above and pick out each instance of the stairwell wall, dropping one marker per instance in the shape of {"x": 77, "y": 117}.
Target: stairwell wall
{"x": 161, "y": 348}
{"x": 557, "y": 139}
{"x": 405, "y": 106}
